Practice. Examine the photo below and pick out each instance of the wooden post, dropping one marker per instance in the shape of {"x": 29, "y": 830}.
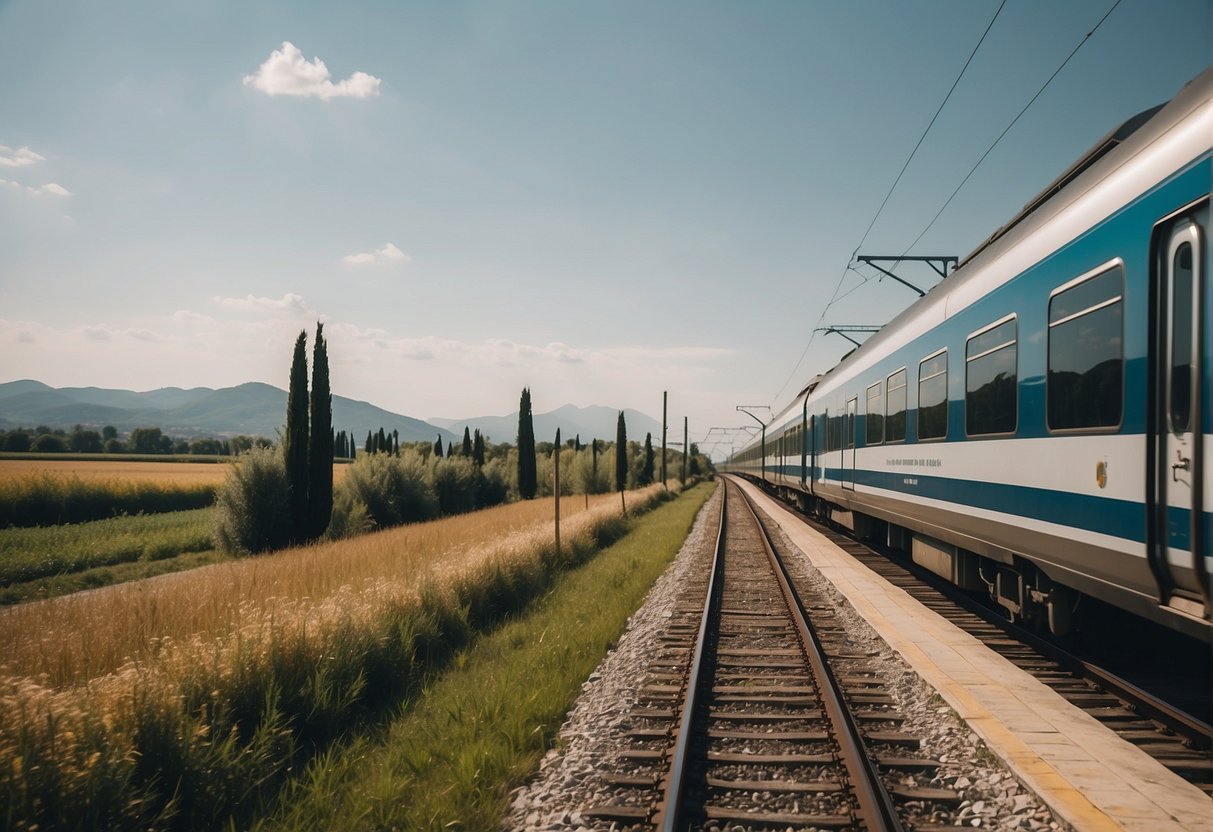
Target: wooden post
{"x": 664, "y": 399}
{"x": 556, "y": 488}
{"x": 686, "y": 450}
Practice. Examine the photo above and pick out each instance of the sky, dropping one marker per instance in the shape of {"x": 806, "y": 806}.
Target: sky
{"x": 600, "y": 201}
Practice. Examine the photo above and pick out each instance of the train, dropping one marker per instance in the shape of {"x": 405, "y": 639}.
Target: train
{"x": 1037, "y": 426}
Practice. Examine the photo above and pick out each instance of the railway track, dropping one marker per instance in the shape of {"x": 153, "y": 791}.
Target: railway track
{"x": 759, "y": 714}
{"x": 1178, "y": 740}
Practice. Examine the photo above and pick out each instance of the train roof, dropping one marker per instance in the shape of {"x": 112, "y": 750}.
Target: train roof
{"x": 1094, "y": 187}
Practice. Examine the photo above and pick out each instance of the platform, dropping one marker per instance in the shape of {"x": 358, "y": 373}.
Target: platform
{"x": 1088, "y": 776}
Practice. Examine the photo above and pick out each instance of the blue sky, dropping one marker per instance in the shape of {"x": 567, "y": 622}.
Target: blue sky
{"x": 598, "y": 200}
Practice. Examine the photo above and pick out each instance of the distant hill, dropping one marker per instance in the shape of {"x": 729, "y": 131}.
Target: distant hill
{"x": 595, "y": 422}
{"x": 255, "y": 409}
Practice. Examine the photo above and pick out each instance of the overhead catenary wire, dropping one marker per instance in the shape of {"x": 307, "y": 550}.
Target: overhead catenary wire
{"x": 1044, "y": 86}
{"x": 834, "y": 298}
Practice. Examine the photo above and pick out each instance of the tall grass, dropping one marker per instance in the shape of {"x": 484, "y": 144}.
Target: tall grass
{"x": 27, "y": 554}
{"x": 449, "y": 760}
{"x": 45, "y": 499}
{"x": 173, "y": 703}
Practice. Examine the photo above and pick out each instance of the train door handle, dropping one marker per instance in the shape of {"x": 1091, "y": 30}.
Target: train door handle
{"x": 1184, "y": 464}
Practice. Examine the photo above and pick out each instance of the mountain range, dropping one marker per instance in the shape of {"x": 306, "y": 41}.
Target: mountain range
{"x": 257, "y": 409}
{"x": 254, "y": 409}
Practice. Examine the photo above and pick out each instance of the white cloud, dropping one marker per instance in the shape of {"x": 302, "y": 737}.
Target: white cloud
{"x": 51, "y": 188}
{"x": 388, "y": 254}
{"x": 18, "y": 158}
{"x": 97, "y": 333}
{"x": 286, "y": 72}
{"x": 290, "y": 303}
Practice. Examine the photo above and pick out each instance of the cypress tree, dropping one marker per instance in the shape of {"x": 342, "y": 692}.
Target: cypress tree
{"x": 594, "y": 464}
{"x": 467, "y": 442}
{"x": 438, "y": 446}
{"x": 621, "y": 454}
{"x": 478, "y": 448}
{"x": 646, "y": 471}
{"x": 395, "y": 443}
{"x": 370, "y": 443}
{"x": 320, "y": 441}
{"x": 527, "y": 476}
{"x": 294, "y": 440}
{"x": 450, "y": 450}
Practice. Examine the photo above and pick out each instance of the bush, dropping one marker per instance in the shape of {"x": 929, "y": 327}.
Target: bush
{"x": 48, "y": 444}
{"x": 492, "y": 483}
{"x": 253, "y": 505}
{"x": 454, "y": 484}
{"x": 394, "y": 490}
{"x": 46, "y": 499}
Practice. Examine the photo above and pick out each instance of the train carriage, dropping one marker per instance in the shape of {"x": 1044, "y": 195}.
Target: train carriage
{"x": 1038, "y": 425}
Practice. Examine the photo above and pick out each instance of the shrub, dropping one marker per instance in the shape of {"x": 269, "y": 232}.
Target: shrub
{"x": 394, "y": 490}
{"x": 48, "y": 444}
{"x": 253, "y": 504}
{"x": 454, "y": 481}
{"x": 492, "y": 483}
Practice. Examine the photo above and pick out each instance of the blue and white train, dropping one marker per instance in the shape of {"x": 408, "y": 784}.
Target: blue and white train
{"x": 1038, "y": 425}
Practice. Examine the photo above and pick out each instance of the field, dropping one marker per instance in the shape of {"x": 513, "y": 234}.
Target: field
{"x": 216, "y": 683}
{"x": 204, "y": 471}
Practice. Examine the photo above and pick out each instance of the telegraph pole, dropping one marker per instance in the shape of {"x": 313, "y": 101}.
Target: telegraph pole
{"x": 686, "y": 450}
{"x": 664, "y": 401}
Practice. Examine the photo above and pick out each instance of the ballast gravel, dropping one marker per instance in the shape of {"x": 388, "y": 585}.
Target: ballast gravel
{"x": 568, "y": 781}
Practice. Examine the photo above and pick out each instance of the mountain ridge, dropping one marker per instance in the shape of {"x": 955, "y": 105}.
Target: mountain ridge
{"x": 253, "y": 408}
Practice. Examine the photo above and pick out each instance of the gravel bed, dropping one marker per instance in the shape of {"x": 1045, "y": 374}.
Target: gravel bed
{"x": 569, "y": 778}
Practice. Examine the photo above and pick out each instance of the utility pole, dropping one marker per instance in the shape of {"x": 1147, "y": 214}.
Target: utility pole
{"x": 664, "y": 401}
{"x": 686, "y": 450}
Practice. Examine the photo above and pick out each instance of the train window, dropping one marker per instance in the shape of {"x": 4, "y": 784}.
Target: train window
{"x": 1181, "y": 340}
{"x": 991, "y": 376}
{"x": 933, "y": 397}
{"x": 1086, "y": 353}
{"x": 895, "y": 409}
{"x": 874, "y": 430}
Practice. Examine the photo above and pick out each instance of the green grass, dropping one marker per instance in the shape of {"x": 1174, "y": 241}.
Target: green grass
{"x": 56, "y": 585}
{"x": 49, "y": 500}
{"x": 32, "y": 554}
{"x": 480, "y": 728}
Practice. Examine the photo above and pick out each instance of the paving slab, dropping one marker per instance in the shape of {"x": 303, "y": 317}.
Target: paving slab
{"x": 1091, "y": 778}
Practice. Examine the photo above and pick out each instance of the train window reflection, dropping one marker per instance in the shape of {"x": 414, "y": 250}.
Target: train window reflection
{"x": 933, "y": 397}
{"x": 874, "y": 420}
{"x": 1086, "y": 354}
{"x": 895, "y": 418}
{"x": 1181, "y": 340}
{"x": 991, "y": 381}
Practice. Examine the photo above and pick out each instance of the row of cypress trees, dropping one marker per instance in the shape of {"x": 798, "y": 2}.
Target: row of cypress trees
{"x": 528, "y": 484}
{"x": 307, "y": 445}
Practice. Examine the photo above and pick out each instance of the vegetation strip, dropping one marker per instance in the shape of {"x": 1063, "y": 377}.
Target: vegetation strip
{"x": 29, "y": 554}
{"x": 449, "y": 761}
{"x": 186, "y": 702}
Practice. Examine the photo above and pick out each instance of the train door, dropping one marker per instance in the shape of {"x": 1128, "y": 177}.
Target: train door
{"x": 804, "y": 442}
{"x": 1181, "y": 472}
{"x": 849, "y": 425}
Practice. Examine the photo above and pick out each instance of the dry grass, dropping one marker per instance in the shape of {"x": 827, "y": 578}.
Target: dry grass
{"x": 76, "y": 638}
{"x": 173, "y": 702}
{"x": 164, "y": 473}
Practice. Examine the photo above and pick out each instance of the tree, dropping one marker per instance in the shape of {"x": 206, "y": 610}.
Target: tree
{"x": 17, "y": 440}
{"x": 478, "y": 448}
{"x": 145, "y": 440}
{"x": 467, "y": 442}
{"x": 370, "y": 443}
{"x": 527, "y": 476}
{"x": 294, "y": 441}
{"x": 438, "y": 446}
{"x": 646, "y": 471}
{"x": 450, "y": 450}
{"x": 320, "y": 441}
{"x": 48, "y": 443}
{"x": 621, "y": 454}
{"x": 395, "y": 443}
{"x": 84, "y": 441}
{"x": 109, "y": 432}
